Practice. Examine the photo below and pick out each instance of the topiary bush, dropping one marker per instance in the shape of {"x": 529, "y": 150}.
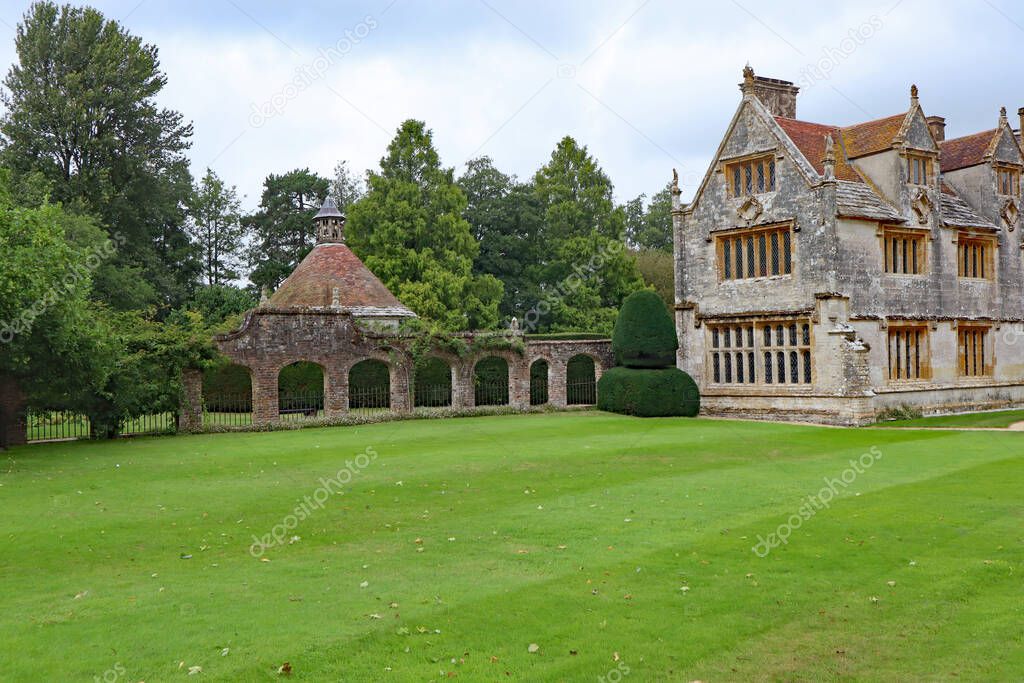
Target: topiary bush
{"x": 646, "y": 382}
{"x": 662, "y": 392}
{"x": 644, "y": 335}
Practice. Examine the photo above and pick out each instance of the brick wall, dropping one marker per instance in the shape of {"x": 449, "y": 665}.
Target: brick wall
{"x": 12, "y": 413}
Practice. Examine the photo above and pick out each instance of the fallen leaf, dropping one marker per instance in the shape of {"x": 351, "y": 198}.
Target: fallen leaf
{"x": 615, "y": 656}
{"x": 285, "y": 669}
{"x": 193, "y": 670}
{"x": 534, "y": 648}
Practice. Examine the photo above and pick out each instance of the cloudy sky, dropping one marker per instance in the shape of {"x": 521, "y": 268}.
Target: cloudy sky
{"x": 647, "y": 85}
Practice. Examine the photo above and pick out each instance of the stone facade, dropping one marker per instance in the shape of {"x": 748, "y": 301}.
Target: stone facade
{"x": 868, "y": 225}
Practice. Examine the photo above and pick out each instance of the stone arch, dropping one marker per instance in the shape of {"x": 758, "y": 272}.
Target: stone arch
{"x": 227, "y": 395}
{"x": 491, "y": 380}
{"x": 300, "y": 390}
{"x": 540, "y": 369}
{"x": 370, "y": 385}
{"x": 581, "y": 373}
{"x": 432, "y": 383}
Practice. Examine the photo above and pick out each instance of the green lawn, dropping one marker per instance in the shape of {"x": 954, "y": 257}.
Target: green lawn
{"x": 465, "y": 541}
{"x": 998, "y": 418}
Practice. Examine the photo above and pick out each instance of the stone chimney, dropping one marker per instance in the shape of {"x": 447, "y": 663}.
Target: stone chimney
{"x": 1020, "y": 131}
{"x": 778, "y": 96}
{"x": 937, "y": 125}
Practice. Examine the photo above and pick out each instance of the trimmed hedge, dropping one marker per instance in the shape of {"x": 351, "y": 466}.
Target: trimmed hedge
{"x": 644, "y": 336}
{"x": 662, "y": 392}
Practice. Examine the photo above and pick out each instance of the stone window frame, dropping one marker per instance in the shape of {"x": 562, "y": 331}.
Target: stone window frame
{"x": 917, "y": 160}
{"x": 1007, "y": 175}
{"x": 980, "y": 349}
{"x": 750, "y": 245}
{"x": 920, "y": 236}
{"x": 759, "y": 174}
{"x": 793, "y": 357}
{"x": 979, "y": 270}
{"x": 899, "y": 367}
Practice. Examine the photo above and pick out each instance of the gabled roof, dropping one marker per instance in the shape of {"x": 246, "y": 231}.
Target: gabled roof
{"x": 872, "y": 137}
{"x": 969, "y": 150}
{"x": 333, "y": 269}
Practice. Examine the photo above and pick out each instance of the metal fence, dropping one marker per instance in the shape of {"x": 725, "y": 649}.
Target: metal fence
{"x": 432, "y": 396}
{"x": 300, "y": 405}
{"x": 56, "y": 425}
{"x": 538, "y": 391}
{"x": 62, "y": 425}
{"x": 581, "y": 392}
{"x": 491, "y": 394}
{"x": 230, "y": 410}
{"x": 372, "y": 399}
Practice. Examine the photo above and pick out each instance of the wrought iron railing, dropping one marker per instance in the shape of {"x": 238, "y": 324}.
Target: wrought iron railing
{"x": 538, "y": 391}
{"x": 157, "y": 423}
{"x": 300, "y": 405}
{"x": 372, "y": 399}
{"x": 433, "y": 396}
{"x": 227, "y": 410}
{"x": 581, "y": 392}
{"x": 491, "y": 393}
{"x": 56, "y": 425}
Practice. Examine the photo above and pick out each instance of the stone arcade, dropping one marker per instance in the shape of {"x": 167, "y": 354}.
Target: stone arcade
{"x": 827, "y": 273}
{"x": 332, "y": 311}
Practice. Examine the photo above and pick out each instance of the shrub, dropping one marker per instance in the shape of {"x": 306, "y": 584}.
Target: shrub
{"x": 644, "y": 335}
{"x": 648, "y": 392}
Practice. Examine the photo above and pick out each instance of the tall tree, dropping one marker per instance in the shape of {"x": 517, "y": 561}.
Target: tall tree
{"x": 588, "y": 271}
{"x": 505, "y": 217}
{"x": 215, "y": 227}
{"x": 81, "y": 110}
{"x": 347, "y": 188}
{"x": 282, "y": 229}
{"x": 410, "y": 231}
{"x": 650, "y": 227}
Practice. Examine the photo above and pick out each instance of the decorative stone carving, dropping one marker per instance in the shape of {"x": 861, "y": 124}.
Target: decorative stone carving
{"x": 1010, "y": 214}
{"x": 750, "y": 209}
{"x": 921, "y": 205}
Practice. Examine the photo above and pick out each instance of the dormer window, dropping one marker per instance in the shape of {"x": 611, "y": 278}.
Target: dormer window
{"x": 751, "y": 176}
{"x": 919, "y": 169}
{"x": 1008, "y": 181}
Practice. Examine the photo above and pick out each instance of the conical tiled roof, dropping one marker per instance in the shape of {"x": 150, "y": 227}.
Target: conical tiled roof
{"x": 331, "y": 276}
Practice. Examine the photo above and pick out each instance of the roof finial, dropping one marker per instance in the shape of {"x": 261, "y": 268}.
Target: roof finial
{"x": 675, "y": 181}
{"x": 913, "y": 94}
{"x": 748, "y": 79}
{"x": 330, "y": 223}
{"x": 1002, "y": 115}
{"x": 829, "y": 160}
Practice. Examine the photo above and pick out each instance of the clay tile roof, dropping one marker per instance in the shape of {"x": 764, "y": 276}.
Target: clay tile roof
{"x": 873, "y": 136}
{"x": 966, "y": 151}
{"x": 810, "y": 140}
{"x": 331, "y": 266}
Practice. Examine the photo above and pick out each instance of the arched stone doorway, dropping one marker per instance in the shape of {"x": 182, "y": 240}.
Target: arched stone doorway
{"x": 300, "y": 391}
{"x": 539, "y": 370}
{"x": 369, "y": 386}
{"x": 490, "y": 382}
{"x": 581, "y": 381}
{"x": 433, "y": 384}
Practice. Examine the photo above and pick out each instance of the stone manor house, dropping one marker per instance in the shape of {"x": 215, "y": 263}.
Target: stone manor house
{"x": 828, "y": 273}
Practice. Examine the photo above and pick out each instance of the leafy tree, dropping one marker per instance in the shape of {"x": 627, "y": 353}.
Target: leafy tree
{"x": 215, "y": 227}
{"x": 588, "y": 271}
{"x": 650, "y": 228}
{"x": 346, "y": 187}
{"x": 282, "y": 229}
{"x": 506, "y": 220}
{"x": 81, "y": 111}
{"x": 410, "y": 231}
{"x": 658, "y": 270}
{"x": 219, "y": 303}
